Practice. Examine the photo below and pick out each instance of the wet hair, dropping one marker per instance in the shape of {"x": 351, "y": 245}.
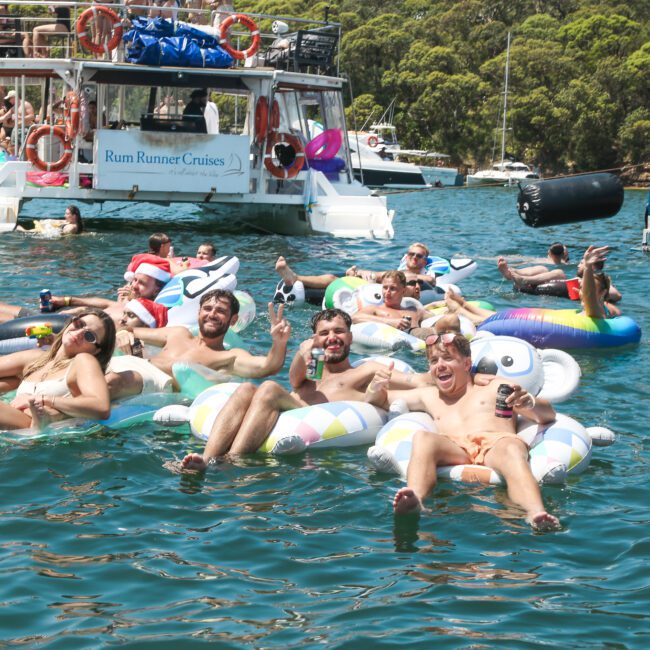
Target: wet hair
{"x": 421, "y": 245}
{"x": 156, "y": 242}
{"x": 222, "y": 294}
{"x": 104, "y": 351}
{"x": 558, "y": 248}
{"x": 74, "y": 210}
{"x": 395, "y": 275}
{"x": 210, "y": 245}
{"x": 460, "y": 343}
{"x": 330, "y": 314}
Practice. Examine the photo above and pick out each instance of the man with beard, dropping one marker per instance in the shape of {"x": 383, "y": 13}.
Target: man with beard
{"x": 218, "y": 310}
{"x": 393, "y": 290}
{"x": 468, "y": 429}
{"x": 251, "y": 412}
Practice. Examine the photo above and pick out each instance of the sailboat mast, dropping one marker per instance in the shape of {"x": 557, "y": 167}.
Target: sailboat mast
{"x": 505, "y": 104}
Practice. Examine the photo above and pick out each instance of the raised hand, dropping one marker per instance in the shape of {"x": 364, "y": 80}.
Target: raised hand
{"x": 280, "y": 328}
{"x": 381, "y": 379}
{"x": 593, "y": 254}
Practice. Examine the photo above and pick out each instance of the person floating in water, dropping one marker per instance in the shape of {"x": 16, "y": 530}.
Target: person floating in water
{"x": 468, "y": 430}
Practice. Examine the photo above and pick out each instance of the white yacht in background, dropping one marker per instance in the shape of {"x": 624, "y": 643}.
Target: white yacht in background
{"x": 505, "y": 172}
{"x": 374, "y": 166}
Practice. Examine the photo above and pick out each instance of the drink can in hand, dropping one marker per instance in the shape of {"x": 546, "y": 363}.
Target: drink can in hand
{"x": 316, "y": 364}
{"x": 503, "y": 410}
{"x": 45, "y": 296}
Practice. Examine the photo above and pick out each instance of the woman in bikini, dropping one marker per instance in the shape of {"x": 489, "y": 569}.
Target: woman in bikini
{"x": 65, "y": 381}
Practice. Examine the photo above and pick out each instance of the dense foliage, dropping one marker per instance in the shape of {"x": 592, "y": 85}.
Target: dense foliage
{"x": 579, "y": 96}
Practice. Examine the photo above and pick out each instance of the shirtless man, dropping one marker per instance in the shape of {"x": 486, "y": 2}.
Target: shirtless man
{"x": 206, "y": 252}
{"x": 251, "y": 412}
{"x": 468, "y": 430}
{"x": 416, "y": 261}
{"x": 150, "y": 276}
{"x": 218, "y": 311}
{"x": 393, "y": 289}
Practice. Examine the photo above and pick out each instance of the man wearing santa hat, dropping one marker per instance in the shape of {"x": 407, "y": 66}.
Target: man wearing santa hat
{"x": 146, "y": 274}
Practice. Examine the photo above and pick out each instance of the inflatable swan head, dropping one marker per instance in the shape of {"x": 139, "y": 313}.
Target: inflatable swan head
{"x": 551, "y": 374}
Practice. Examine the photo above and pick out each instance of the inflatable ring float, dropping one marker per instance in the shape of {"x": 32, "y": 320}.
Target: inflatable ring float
{"x": 246, "y": 22}
{"x": 85, "y": 38}
{"x": 562, "y": 328}
{"x": 22, "y": 333}
{"x": 325, "y": 145}
{"x": 279, "y": 170}
{"x": 31, "y": 148}
{"x": 71, "y": 115}
{"x": 321, "y": 426}
{"x": 373, "y": 141}
{"x": 557, "y": 450}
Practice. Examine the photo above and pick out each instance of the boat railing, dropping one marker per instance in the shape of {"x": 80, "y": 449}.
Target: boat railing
{"x": 294, "y": 44}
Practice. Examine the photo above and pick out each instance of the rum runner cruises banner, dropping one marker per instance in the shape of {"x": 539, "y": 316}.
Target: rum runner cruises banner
{"x": 169, "y": 162}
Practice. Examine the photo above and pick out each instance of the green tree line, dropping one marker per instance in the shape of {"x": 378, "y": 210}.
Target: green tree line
{"x": 579, "y": 95}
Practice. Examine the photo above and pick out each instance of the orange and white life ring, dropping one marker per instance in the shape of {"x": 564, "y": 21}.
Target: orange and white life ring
{"x": 31, "y": 148}
{"x": 279, "y": 170}
{"x": 261, "y": 118}
{"x": 85, "y": 38}
{"x": 246, "y": 22}
{"x": 275, "y": 116}
{"x": 71, "y": 115}
{"x": 373, "y": 141}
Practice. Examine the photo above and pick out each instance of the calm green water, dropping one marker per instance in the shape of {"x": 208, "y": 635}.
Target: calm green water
{"x": 101, "y": 545}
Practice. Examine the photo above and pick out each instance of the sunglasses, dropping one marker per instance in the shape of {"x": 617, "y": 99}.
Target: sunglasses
{"x": 418, "y": 256}
{"x": 413, "y": 283}
{"x": 446, "y": 337}
{"x": 89, "y": 336}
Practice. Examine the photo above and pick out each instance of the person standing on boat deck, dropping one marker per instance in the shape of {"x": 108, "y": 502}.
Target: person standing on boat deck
{"x": 468, "y": 431}
{"x": 13, "y": 110}
{"x": 36, "y": 47}
{"x": 196, "y": 107}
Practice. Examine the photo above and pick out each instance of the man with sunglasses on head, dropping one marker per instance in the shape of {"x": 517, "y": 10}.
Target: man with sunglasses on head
{"x": 393, "y": 289}
{"x": 468, "y": 431}
{"x": 251, "y": 412}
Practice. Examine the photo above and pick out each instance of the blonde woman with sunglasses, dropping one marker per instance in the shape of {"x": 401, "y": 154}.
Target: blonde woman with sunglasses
{"x": 65, "y": 381}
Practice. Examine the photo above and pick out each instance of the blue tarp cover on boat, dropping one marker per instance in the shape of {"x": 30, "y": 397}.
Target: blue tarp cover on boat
{"x": 163, "y": 42}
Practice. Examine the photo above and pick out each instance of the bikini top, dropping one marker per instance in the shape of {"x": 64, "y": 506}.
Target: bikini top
{"x": 54, "y": 387}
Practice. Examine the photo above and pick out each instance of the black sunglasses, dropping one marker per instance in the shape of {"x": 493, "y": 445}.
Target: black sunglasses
{"x": 418, "y": 256}
{"x": 89, "y": 336}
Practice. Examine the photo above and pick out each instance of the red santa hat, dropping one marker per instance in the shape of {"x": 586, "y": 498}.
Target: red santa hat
{"x": 151, "y": 265}
{"x": 151, "y": 313}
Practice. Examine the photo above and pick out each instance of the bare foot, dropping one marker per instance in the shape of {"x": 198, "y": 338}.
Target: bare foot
{"x": 504, "y": 269}
{"x": 543, "y": 522}
{"x": 285, "y": 272}
{"x": 40, "y": 419}
{"x": 195, "y": 462}
{"x": 406, "y": 501}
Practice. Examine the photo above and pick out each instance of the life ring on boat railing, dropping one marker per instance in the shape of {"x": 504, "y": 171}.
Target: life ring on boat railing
{"x": 71, "y": 115}
{"x": 373, "y": 141}
{"x": 280, "y": 171}
{"x": 275, "y": 116}
{"x": 261, "y": 118}
{"x": 85, "y": 38}
{"x": 246, "y": 22}
{"x": 31, "y": 148}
